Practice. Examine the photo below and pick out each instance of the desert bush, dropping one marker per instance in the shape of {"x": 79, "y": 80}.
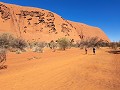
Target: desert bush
{"x": 38, "y": 46}
{"x": 52, "y": 44}
{"x": 72, "y": 43}
{"x": 89, "y": 42}
{"x": 5, "y": 40}
{"x": 102, "y": 43}
{"x": 114, "y": 45}
{"x": 8, "y": 41}
{"x": 77, "y": 44}
{"x": 19, "y": 43}
{"x": 92, "y": 42}
{"x": 63, "y": 43}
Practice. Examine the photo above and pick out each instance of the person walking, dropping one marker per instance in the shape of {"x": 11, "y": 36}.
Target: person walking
{"x": 94, "y": 50}
{"x": 85, "y": 50}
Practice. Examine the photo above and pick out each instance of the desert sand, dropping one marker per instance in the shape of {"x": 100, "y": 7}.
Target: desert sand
{"x": 61, "y": 70}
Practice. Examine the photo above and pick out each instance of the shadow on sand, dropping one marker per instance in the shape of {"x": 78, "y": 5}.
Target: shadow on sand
{"x": 88, "y": 54}
{"x": 114, "y": 51}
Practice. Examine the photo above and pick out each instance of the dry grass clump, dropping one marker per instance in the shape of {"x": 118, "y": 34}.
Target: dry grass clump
{"x": 37, "y": 46}
{"x": 9, "y": 42}
{"x": 6, "y": 40}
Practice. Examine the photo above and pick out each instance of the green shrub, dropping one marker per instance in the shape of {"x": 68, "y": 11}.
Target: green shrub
{"x": 63, "y": 43}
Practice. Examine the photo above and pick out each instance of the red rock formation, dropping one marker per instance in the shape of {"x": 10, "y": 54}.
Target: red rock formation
{"x": 38, "y": 24}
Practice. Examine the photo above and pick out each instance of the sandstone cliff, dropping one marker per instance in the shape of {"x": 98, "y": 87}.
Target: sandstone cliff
{"x": 39, "y": 24}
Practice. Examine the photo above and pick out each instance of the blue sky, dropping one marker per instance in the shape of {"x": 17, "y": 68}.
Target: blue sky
{"x": 104, "y": 14}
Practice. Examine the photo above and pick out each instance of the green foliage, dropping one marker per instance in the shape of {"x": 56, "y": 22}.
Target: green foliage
{"x": 63, "y": 43}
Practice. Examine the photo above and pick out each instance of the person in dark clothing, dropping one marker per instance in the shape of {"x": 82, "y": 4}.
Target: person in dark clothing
{"x": 85, "y": 50}
{"x": 94, "y": 50}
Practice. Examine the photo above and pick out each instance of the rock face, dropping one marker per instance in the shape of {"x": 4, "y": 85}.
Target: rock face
{"x": 43, "y": 25}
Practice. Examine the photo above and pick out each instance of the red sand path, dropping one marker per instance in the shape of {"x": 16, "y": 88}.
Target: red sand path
{"x": 61, "y": 70}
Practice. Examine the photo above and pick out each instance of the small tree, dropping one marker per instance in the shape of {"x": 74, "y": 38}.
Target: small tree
{"x": 63, "y": 43}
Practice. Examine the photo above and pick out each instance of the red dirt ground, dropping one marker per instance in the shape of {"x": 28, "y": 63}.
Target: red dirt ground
{"x": 61, "y": 70}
